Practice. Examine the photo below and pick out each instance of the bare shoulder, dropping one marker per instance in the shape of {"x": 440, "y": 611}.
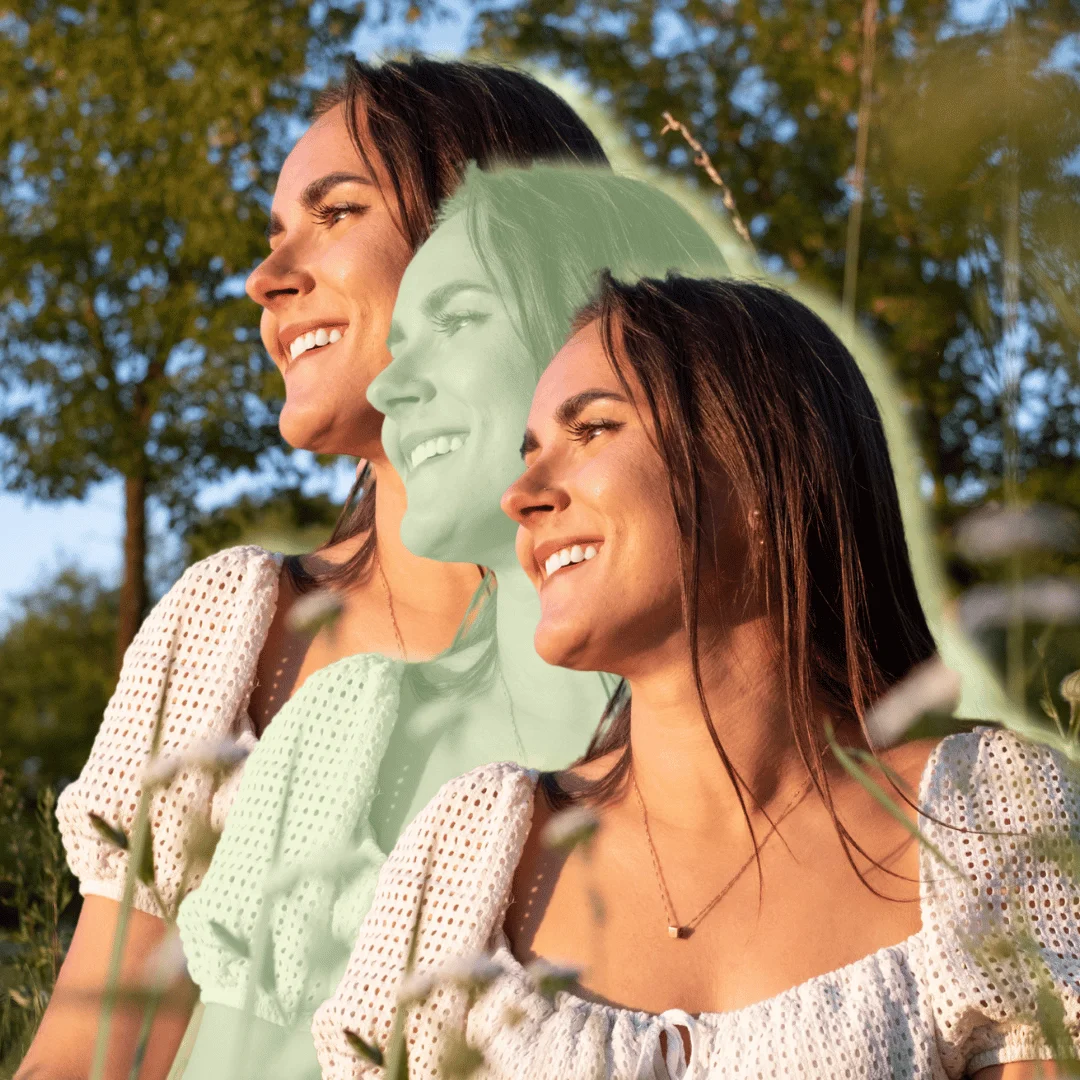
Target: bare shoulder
{"x": 909, "y": 760}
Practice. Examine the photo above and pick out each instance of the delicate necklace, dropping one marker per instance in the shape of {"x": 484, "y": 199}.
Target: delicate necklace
{"x": 675, "y": 929}
{"x": 390, "y": 605}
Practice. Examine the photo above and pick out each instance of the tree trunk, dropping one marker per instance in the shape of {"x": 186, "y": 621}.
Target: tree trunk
{"x": 133, "y": 594}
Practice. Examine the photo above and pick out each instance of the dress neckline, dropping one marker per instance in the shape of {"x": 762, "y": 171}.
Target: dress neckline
{"x": 896, "y": 953}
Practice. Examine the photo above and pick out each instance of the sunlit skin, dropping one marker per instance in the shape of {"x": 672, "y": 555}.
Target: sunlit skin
{"x": 593, "y": 472}
{"x": 335, "y": 261}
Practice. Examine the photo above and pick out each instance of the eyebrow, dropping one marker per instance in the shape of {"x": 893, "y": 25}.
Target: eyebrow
{"x": 314, "y": 194}
{"x": 437, "y": 299}
{"x": 569, "y": 411}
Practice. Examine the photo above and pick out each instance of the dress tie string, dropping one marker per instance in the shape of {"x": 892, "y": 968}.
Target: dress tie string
{"x": 676, "y": 1067}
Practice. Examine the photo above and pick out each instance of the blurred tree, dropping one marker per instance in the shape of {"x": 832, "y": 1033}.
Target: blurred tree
{"x": 56, "y": 675}
{"x": 771, "y": 90}
{"x": 288, "y": 522}
{"x": 138, "y": 145}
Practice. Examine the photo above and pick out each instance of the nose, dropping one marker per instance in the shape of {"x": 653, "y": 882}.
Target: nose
{"x": 401, "y": 382}
{"x": 278, "y": 278}
{"x": 533, "y": 495}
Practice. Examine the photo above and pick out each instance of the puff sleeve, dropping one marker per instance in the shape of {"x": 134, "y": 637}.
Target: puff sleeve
{"x": 199, "y": 646}
{"x": 1002, "y": 962}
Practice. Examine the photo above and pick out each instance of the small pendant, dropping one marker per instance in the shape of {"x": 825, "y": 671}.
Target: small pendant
{"x": 674, "y": 931}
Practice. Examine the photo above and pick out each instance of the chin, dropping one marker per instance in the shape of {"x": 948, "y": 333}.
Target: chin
{"x": 567, "y": 647}
{"x": 320, "y": 433}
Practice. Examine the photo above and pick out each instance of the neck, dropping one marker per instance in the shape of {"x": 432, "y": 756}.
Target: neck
{"x": 556, "y": 709}
{"x": 679, "y": 771}
{"x": 424, "y": 585}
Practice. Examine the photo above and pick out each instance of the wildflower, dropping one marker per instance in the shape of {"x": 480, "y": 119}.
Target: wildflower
{"x": 475, "y": 972}
{"x": 995, "y": 532}
{"x": 569, "y": 828}
{"x": 216, "y": 755}
{"x": 549, "y": 979}
{"x": 416, "y": 988}
{"x": 1041, "y": 600}
{"x": 167, "y": 962}
{"x": 314, "y": 611}
{"x": 1070, "y": 688}
{"x": 929, "y": 687}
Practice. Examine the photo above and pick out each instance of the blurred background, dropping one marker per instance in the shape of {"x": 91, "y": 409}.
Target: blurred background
{"x": 917, "y": 160}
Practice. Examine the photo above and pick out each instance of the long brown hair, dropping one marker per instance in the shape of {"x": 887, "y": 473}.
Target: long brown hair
{"x": 743, "y": 375}
{"x": 426, "y": 120}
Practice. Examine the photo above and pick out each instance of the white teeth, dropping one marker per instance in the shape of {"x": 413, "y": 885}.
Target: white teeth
{"x": 558, "y": 559}
{"x": 313, "y": 339}
{"x": 434, "y": 447}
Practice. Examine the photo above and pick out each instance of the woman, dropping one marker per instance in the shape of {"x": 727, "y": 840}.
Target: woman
{"x": 355, "y": 198}
{"x": 745, "y": 908}
{"x": 482, "y": 307}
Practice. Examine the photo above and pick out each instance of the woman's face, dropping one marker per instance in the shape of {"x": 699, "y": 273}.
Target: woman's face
{"x": 327, "y": 290}
{"x": 595, "y": 483}
{"x": 455, "y": 396}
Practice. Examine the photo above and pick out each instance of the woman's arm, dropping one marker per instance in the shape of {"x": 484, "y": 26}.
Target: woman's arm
{"x": 63, "y": 1048}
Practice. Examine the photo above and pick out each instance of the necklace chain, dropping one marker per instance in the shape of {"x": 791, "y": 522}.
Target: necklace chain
{"x": 684, "y": 930}
{"x": 390, "y": 605}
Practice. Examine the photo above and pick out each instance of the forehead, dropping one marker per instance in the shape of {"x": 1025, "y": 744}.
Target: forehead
{"x": 324, "y": 148}
{"x": 579, "y": 365}
{"x": 447, "y": 255}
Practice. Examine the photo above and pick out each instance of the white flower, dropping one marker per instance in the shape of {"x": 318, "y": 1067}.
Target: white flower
{"x": 416, "y": 987}
{"x": 929, "y": 687}
{"x": 995, "y": 532}
{"x": 167, "y": 962}
{"x": 570, "y": 827}
{"x": 314, "y": 611}
{"x": 1040, "y": 600}
{"x": 217, "y": 755}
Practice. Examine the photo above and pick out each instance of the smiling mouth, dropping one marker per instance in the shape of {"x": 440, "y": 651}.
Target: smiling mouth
{"x": 435, "y": 447}
{"x": 569, "y": 557}
{"x": 314, "y": 341}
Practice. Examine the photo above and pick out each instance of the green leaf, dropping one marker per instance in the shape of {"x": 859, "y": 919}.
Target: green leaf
{"x": 110, "y": 833}
{"x": 368, "y": 1051}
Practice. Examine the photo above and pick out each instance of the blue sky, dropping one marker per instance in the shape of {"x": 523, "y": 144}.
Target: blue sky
{"x": 37, "y": 539}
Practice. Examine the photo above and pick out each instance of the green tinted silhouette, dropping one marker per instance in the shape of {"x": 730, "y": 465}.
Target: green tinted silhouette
{"x": 365, "y": 743}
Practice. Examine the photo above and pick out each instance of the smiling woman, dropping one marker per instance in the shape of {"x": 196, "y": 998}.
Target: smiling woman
{"x": 217, "y": 658}
{"x": 754, "y": 590}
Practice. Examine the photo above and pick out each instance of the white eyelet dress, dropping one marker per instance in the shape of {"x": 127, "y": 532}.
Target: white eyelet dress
{"x": 951, "y": 999}
{"x": 205, "y": 636}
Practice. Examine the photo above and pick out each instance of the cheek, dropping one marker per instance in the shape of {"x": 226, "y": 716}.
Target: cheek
{"x": 268, "y": 334}
{"x": 367, "y": 266}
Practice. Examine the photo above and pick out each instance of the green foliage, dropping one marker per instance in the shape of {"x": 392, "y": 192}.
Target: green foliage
{"x": 140, "y": 143}
{"x": 771, "y": 91}
{"x": 286, "y": 521}
{"x": 35, "y": 889}
{"x": 56, "y": 675}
